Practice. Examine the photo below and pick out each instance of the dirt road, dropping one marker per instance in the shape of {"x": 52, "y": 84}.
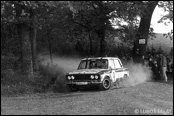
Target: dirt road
{"x": 146, "y": 98}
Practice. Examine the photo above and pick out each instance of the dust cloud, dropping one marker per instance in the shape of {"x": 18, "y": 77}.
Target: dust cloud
{"x": 138, "y": 74}
{"x": 57, "y": 69}
{"x": 62, "y": 65}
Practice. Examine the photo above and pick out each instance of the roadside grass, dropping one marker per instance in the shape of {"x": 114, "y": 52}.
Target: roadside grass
{"x": 12, "y": 82}
{"x": 47, "y": 80}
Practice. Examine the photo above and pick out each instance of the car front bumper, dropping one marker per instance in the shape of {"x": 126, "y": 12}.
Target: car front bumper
{"x": 84, "y": 82}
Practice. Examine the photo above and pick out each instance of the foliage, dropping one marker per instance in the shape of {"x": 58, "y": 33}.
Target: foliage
{"x": 167, "y": 19}
{"x": 67, "y": 27}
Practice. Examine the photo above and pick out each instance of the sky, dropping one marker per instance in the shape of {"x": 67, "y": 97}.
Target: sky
{"x": 159, "y": 27}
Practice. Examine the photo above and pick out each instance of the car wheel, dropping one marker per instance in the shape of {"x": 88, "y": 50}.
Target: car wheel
{"x": 72, "y": 87}
{"x": 106, "y": 84}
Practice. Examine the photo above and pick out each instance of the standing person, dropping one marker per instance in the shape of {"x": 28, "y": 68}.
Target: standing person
{"x": 172, "y": 67}
{"x": 137, "y": 56}
{"x": 150, "y": 59}
{"x": 163, "y": 66}
{"x": 143, "y": 60}
{"x": 159, "y": 66}
{"x": 155, "y": 67}
{"x": 169, "y": 63}
{"x": 146, "y": 60}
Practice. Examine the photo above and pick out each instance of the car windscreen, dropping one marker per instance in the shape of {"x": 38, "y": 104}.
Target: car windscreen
{"x": 94, "y": 64}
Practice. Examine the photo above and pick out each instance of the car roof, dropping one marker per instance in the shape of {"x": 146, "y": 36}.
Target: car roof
{"x": 91, "y": 58}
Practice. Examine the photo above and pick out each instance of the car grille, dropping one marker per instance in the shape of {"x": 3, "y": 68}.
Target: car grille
{"x": 82, "y": 77}
{"x": 86, "y": 77}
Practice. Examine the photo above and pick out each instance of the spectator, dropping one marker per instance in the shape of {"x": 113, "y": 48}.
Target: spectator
{"x": 169, "y": 64}
{"x": 163, "y": 63}
{"x": 172, "y": 67}
{"x": 159, "y": 65}
{"x": 155, "y": 67}
{"x": 150, "y": 59}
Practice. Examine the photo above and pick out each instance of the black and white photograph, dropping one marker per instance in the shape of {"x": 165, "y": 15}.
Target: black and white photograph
{"x": 86, "y": 57}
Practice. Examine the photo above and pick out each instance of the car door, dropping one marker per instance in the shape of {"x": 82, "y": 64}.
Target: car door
{"x": 118, "y": 69}
{"x": 112, "y": 68}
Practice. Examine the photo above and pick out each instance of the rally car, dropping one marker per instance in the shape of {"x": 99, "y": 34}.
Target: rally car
{"x": 101, "y": 71}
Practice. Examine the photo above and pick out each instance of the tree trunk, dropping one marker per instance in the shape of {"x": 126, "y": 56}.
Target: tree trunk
{"x": 33, "y": 40}
{"x": 26, "y": 52}
{"x": 49, "y": 40}
{"x": 19, "y": 30}
{"x": 25, "y": 43}
{"x": 143, "y": 32}
{"x": 90, "y": 44}
{"x": 50, "y": 49}
{"x": 101, "y": 35}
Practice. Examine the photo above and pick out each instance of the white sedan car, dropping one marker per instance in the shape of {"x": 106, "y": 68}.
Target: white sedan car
{"x": 101, "y": 71}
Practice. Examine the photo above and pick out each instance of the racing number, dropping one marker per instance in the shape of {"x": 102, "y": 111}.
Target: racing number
{"x": 112, "y": 66}
{"x": 113, "y": 75}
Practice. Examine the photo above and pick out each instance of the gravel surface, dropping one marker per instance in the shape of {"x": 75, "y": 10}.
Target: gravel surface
{"x": 142, "y": 99}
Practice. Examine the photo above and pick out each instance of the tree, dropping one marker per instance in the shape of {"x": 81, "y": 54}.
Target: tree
{"x": 52, "y": 25}
{"x": 129, "y": 11}
{"x": 143, "y": 30}
{"x": 23, "y": 28}
{"x": 168, "y": 18}
{"x": 24, "y": 15}
{"x": 144, "y": 27}
{"x": 93, "y": 16}
{"x": 55, "y": 28}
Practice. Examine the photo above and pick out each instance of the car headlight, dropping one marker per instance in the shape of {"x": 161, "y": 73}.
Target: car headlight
{"x": 92, "y": 76}
{"x": 69, "y": 77}
{"x": 96, "y": 77}
{"x": 72, "y": 77}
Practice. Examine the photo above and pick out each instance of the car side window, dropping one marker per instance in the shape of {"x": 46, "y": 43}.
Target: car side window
{"x": 117, "y": 64}
{"x": 120, "y": 64}
{"x": 111, "y": 64}
{"x": 82, "y": 65}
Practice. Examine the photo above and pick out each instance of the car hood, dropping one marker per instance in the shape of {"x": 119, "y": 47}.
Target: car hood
{"x": 87, "y": 71}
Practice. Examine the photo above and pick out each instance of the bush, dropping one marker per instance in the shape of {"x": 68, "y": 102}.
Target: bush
{"x": 49, "y": 78}
{"x": 13, "y": 82}
{"x": 9, "y": 61}
{"x": 53, "y": 78}
{"x": 59, "y": 85}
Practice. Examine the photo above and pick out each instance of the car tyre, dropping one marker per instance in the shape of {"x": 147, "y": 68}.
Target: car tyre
{"x": 106, "y": 84}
